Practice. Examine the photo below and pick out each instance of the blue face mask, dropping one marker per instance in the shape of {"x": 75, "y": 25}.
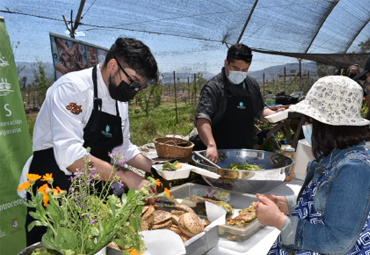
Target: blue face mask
{"x": 307, "y": 131}
{"x": 237, "y": 77}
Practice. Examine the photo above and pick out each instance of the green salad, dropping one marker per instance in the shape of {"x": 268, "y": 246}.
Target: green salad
{"x": 171, "y": 166}
{"x": 245, "y": 166}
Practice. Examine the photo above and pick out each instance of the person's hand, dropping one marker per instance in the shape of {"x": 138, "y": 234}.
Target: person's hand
{"x": 212, "y": 154}
{"x": 278, "y": 200}
{"x": 136, "y": 181}
{"x": 268, "y": 212}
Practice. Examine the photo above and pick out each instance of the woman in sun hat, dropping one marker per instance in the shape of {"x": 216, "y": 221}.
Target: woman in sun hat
{"x": 331, "y": 213}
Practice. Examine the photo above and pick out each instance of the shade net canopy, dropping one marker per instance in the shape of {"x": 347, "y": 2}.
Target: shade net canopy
{"x": 306, "y": 29}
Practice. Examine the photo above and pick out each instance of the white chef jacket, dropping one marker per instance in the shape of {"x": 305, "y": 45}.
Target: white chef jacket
{"x": 58, "y": 127}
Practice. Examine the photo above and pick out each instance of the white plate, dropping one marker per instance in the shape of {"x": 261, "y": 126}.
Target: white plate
{"x": 182, "y": 173}
{"x": 277, "y": 116}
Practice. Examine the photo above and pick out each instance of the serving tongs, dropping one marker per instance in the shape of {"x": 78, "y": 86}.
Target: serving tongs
{"x": 206, "y": 159}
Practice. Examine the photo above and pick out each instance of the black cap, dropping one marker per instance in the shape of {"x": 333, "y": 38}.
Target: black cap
{"x": 361, "y": 76}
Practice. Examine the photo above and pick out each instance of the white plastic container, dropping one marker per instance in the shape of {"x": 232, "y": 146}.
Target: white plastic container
{"x": 277, "y": 116}
{"x": 182, "y": 173}
{"x": 302, "y": 157}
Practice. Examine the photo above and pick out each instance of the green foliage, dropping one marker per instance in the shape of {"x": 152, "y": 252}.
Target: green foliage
{"x": 161, "y": 122}
{"x": 193, "y": 87}
{"x": 365, "y": 46}
{"x": 150, "y": 98}
{"x": 41, "y": 81}
{"x": 82, "y": 220}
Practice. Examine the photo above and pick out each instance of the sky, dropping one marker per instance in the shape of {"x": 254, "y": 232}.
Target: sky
{"x": 29, "y": 37}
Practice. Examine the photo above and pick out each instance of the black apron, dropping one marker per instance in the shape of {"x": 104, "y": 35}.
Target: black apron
{"x": 235, "y": 130}
{"x": 102, "y": 133}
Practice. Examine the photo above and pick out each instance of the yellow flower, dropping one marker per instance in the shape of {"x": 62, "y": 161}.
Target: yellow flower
{"x": 24, "y": 185}
{"x": 47, "y": 177}
{"x": 33, "y": 177}
{"x": 43, "y": 190}
{"x": 167, "y": 191}
{"x": 157, "y": 182}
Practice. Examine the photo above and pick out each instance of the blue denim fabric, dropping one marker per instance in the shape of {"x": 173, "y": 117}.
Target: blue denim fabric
{"x": 333, "y": 210}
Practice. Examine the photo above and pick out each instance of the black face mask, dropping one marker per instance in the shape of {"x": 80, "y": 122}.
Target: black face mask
{"x": 122, "y": 92}
{"x": 352, "y": 75}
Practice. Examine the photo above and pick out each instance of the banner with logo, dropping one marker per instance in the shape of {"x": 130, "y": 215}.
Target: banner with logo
{"x": 15, "y": 149}
{"x": 72, "y": 55}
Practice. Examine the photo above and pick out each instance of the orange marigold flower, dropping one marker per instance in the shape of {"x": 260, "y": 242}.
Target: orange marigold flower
{"x": 47, "y": 177}
{"x": 133, "y": 251}
{"x": 157, "y": 182}
{"x": 43, "y": 190}
{"x": 45, "y": 199}
{"x": 33, "y": 177}
{"x": 57, "y": 191}
{"x": 24, "y": 185}
{"x": 167, "y": 191}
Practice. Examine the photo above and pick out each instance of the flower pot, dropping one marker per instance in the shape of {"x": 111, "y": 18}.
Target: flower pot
{"x": 28, "y": 250}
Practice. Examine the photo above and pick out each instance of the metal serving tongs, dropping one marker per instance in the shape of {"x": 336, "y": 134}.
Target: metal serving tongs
{"x": 206, "y": 159}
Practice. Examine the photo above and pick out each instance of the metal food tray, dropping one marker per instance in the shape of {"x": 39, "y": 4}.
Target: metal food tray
{"x": 236, "y": 200}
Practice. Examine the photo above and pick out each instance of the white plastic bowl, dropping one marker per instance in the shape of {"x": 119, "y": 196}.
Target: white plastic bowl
{"x": 182, "y": 173}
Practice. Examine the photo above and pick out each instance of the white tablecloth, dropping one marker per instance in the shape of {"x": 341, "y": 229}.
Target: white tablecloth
{"x": 259, "y": 243}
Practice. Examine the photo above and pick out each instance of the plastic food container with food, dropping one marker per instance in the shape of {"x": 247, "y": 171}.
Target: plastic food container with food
{"x": 240, "y": 234}
{"x": 182, "y": 173}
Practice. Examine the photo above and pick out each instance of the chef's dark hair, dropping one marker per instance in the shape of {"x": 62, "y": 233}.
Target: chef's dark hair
{"x": 136, "y": 55}
{"x": 239, "y": 52}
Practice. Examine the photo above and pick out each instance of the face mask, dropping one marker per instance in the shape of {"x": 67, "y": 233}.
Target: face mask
{"x": 352, "y": 75}
{"x": 237, "y": 77}
{"x": 307, "y": 131}
{"x": 122, "y": 92}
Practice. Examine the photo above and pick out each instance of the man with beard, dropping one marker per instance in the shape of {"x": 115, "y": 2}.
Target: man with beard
{"x": 89, "y": 108}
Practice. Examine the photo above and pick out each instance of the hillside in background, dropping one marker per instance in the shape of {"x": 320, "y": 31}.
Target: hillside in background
{"x": 270, "y": 72}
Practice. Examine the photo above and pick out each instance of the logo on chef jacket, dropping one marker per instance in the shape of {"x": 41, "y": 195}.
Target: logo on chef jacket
{"x": 241, "y": 106}
{"x": 106, "y": 132}
{"x": 5, "y": 87}
{"x": 74, "y": 108}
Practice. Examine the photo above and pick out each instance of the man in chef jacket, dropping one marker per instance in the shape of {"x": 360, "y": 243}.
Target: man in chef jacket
{"x": 89, "y": 108}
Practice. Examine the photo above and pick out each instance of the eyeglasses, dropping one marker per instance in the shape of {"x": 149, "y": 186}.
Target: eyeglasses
{"x": 133, "y": 84}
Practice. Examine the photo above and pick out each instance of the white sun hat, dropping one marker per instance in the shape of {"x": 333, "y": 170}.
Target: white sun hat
{"x": 333, "y": 100}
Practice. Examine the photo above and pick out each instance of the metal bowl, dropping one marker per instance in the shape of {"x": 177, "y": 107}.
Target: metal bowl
{"x": 275, "y": 168}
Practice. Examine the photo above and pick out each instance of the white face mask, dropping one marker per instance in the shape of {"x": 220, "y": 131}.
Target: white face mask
{"x": 307, "y": 131}
{"x": 237, "y": 77}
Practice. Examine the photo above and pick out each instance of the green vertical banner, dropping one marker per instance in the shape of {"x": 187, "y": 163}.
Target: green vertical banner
{"x": 15, "y": 149}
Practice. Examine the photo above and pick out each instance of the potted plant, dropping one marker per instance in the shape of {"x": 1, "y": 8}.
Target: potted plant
{"x": 81, "y": 221}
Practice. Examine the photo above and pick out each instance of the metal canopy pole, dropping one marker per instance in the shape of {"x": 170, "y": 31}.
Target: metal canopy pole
{"x": 354, "y": 37}
{"x": 246, "y": 23}
{"x": 322, "y": 23}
